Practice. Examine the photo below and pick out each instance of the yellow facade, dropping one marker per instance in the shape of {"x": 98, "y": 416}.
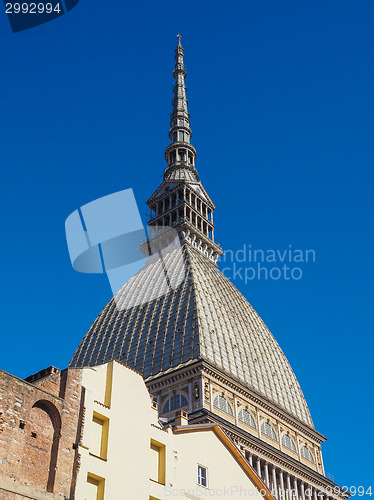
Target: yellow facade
{"x": 127, "y": 454}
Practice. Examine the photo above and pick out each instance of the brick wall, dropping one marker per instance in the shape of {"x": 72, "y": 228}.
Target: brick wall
{"x": 39, "y": 427}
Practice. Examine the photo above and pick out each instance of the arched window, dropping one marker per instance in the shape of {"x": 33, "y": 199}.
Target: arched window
{"x": 288, "y": 442}
{"x": 175, "y": 402}
{"x": 246, "y": 417}
{"x": 222, "y": 404}
{"x": 306, "y": 453}
{"x": 268, "y": 430}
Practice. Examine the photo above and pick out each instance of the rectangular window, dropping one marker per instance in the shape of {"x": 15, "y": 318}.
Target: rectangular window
{"x": 158, "y": 462}
{"x": 99, "y": 436}
{"x": 202, "y": 475}
{"x": 95, "y": 487}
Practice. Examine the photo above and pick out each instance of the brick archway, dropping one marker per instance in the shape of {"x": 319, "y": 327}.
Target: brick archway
{"x": 42, "y": 442}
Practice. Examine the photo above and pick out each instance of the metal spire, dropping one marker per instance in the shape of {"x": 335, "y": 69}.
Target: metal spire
{"x": 180, "y": 154}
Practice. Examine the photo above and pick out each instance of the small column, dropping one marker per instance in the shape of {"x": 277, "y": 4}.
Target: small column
{"x": 159, "y": 402}
{"x": 289, "y": 489}
{"x": 302, "y": 490}
{"x": 250, "y": 459}
{"x": 274, "y": 476}
{"x": 236, "y": 411}
{"x": 315, "y": 495}
{"x": 281, "y": 486}
{"x": 280, "y": 437}
{"x": 258, "y": 418}
{"x": 267, "y": 482}
{"x": 296, "y": 488}
{"x": 298, "y": 447}
{"x": 163, "y": 205}
{"x": 201, "y": 385}
{"x": 308, "y": 492}
{"x": 258, "y": 466}
{"x": 211, "y": 397}
{"x": 190, "y": 395}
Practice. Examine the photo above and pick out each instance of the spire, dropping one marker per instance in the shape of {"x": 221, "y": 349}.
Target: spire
{"x": 180, "y": 155}
{"x": 181, "y": 202}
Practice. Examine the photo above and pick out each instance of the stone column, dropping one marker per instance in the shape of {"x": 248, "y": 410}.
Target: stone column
{"x": 258, "y": 424}
{"x": 289, "y": 489}
{"x": 296, "y": 488}
{"x": 236, "y": 410}
{"x": 267, "y": 482}
{"x": 274, "y": 477}
{"x": 315, "y": 496}
{"x": 309, "y": 492}
{"x": 250, "y": 459}
{"x": 282, "y": 494}
{"x": 190, "y": 395}
{"x": 259, "y": 467}
{"x": 302, "y": 490}
{"x": 211, "y": 397}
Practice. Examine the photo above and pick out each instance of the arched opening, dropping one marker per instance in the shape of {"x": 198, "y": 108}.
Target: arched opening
{"x": 42, "y": 441}
{"x": 267, "y": 430}
{"x": 175, "y": 402}
{"x": 222, "y": 404}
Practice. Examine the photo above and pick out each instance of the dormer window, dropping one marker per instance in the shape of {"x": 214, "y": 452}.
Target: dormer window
{"x": 288, "y": 442}
{"x": 268, "y": 430}
{"x": 306, "y": 453}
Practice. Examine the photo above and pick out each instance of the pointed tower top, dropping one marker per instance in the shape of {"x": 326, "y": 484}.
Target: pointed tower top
{"x": 180, "y": 155}
{"x": 181, "y": 202}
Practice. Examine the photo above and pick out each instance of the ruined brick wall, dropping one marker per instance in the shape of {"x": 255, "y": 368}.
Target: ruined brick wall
{"x": 39, "y": 423}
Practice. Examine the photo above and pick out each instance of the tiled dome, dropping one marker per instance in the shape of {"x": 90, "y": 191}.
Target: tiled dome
{"x": 204, "y": 317}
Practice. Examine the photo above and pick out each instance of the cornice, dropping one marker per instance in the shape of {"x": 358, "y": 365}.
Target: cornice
{"x": 267, "y": 452}
{"x": 261, "y": 401}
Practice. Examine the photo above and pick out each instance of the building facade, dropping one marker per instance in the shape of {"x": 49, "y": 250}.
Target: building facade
{"x": 226, "y": 411}
{"x": 40, "y": 420}
{"x": 94, "y": 434}
{"x": 127, "y": 453}
{"x": 201, "y": 347}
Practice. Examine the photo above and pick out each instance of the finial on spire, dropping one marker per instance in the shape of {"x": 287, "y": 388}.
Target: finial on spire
{"x": 179, "y": 39}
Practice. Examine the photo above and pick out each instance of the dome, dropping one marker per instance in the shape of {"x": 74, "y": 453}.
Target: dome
{"x": 159, "y": 328}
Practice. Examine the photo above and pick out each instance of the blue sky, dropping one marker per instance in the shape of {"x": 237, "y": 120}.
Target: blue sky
{"x": 282, "y": 104}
